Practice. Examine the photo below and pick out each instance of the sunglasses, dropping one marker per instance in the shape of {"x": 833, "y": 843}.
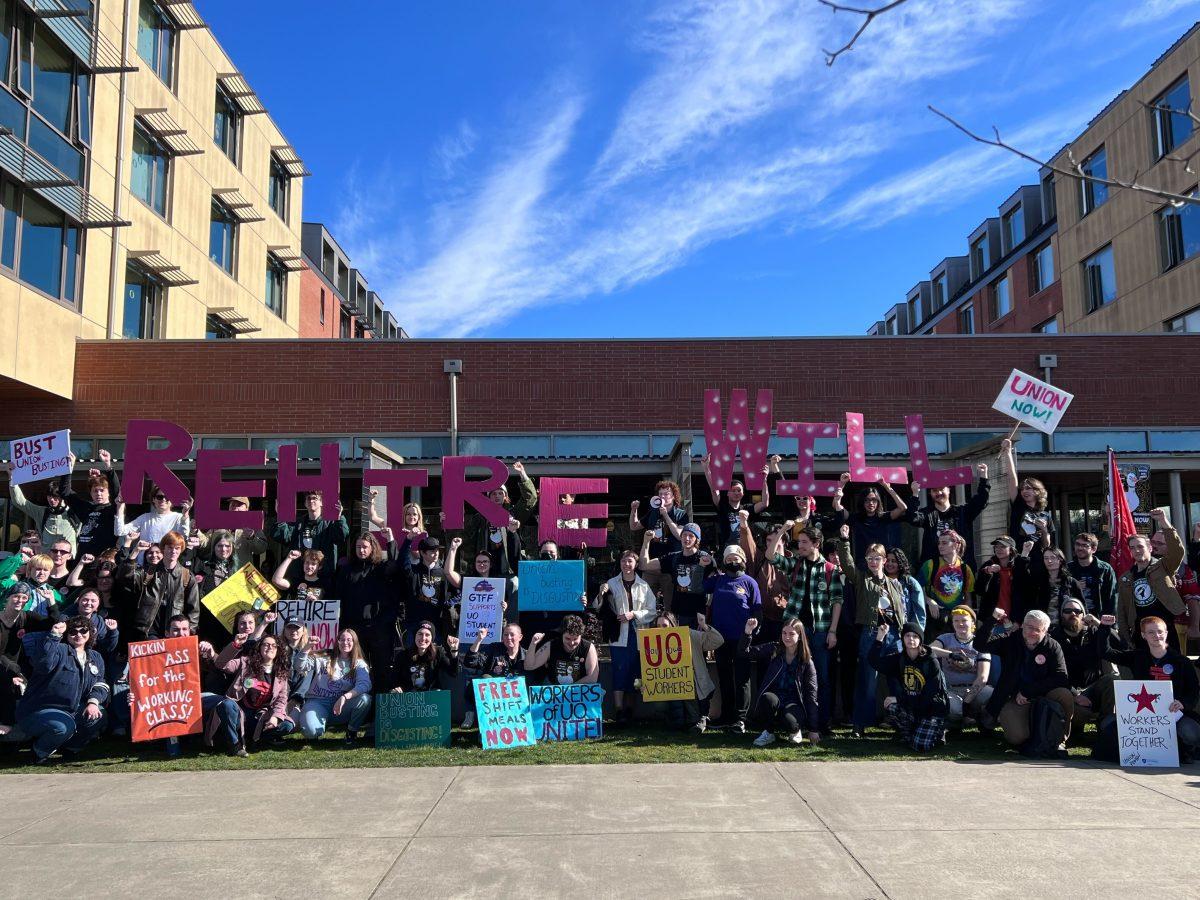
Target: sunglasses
{"x": 1071, "y": 612}
{"x": 79, "y": 631}
{"x": 60, "y": 552}
{"x": 160, "y": 496}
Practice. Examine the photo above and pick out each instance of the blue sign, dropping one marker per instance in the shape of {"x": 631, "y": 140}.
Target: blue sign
{"x": 567, "y": 712}
{"x": 552, "y": 585}
{"x": 502, "y": 706}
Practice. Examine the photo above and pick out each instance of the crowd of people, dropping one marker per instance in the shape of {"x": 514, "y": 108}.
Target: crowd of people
{"x": 811, "y": 618}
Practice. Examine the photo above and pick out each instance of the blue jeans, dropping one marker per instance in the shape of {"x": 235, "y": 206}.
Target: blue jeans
{"x": 820, "y": 658}
{"x": 318, "y": 712}
{"x": 230, "y": 715}
{"x": 866, "y": 680}
{"x": 54, "y": 728}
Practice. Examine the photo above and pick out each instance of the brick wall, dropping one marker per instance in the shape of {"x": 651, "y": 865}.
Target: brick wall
{"x": 311, "y": 288}
{"x": 299, "y": 386}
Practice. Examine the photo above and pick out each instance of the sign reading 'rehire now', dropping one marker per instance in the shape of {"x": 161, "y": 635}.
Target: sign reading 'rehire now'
{"x": 1032, "y": 401}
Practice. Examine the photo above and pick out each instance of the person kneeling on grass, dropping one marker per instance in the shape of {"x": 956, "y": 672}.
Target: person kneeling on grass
{"x": 420, "y": 667}
{"x": 921, "y": 705}
{"x": 503, "y": 660}
{"x": 256, "y": 701}
{"x": 788, "y": 695}
{"x": 340, "y": 692}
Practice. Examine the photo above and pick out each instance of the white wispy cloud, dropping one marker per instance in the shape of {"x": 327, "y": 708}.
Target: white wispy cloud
{"x": 453, "y": 148}
{"x": 1144, "y": 12}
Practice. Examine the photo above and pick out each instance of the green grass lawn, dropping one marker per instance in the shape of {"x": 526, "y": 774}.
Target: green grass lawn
{"x": 640, "y": 743}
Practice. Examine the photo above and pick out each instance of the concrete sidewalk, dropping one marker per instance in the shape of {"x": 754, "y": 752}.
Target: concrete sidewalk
{"x": 852, "y": 829}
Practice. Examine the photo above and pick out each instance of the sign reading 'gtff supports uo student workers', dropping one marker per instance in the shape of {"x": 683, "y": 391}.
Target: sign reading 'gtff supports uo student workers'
{"x": 1033, "y": 402}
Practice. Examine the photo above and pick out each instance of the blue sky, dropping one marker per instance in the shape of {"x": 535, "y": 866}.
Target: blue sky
{"x": 588, "y": 169}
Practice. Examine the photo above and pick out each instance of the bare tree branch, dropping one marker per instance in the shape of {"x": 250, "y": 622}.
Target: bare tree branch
{"x": 1076, "y": 170}
{"x": 1186, "y": 160}
{"x": 868, "y": 17}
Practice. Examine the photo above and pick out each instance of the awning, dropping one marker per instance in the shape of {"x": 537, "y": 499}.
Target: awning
{"x": 59, "y": 189}
{"x": 159, "y": 123}
{"x": 230, "y": 316}
{"x": 236, "y": 202}
{"x": 286, "y": 155}
{"x": 183, "y": 14}
{"x": 289, "y": 257}
{"x": 235, "y": 85}
{"x": 161, "y": 268}
{"x": 71, "y": 21}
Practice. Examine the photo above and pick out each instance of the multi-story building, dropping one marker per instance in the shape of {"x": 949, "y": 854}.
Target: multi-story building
{"x": 329, "y": 307}
{"x": 1073, "y": 255}
{"x": 146, "y": 192}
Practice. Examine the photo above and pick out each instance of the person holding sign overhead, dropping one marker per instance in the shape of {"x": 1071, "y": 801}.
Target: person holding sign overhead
{"x": 788, "y": 693}
{"x": 54, "y": 520}
{"x": 1029, "y": 516}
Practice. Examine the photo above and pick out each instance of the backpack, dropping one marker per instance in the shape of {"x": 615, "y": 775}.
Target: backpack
{"x": 1047, "y": 730}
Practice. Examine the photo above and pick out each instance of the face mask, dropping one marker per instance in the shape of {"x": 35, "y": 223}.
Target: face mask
{"x": 734, "y": 568}
{"x": 544, "y": 555}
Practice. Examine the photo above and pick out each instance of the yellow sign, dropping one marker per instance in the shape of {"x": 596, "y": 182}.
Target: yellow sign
{"x": 667, "y": 672}
{"x": 244, "y": 589}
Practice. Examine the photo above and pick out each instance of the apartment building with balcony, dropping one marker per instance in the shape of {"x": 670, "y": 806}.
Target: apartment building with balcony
{"x": 335, "y": 301}
{"x": 146, "y": 191}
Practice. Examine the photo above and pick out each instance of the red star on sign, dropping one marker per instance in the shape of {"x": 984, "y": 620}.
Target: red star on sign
{"x": 1144, "y": 700}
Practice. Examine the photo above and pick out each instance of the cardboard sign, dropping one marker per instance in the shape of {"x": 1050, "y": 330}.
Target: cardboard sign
{"x": 554, "y": 585}
{"x": 1145, "y": 726}
{"x": 667, "y": 672}
{"x": 567, "y": 712}
{"x": 320, "y": 617}
{"x": 502, "y": 706}
{"x": 164, "y": 688}
{"x": 1135, "y": 485}
{"x": 40, "y": 456}
{"x": 1032, "y": 401}
{"x": 244, "y": 589}
{"x": 412, "y": 719}
{"x": 482, "y": 607}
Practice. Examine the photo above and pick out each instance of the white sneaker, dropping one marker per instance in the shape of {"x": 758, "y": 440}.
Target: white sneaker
{"x": 469, "y": 720}
{"x": 765, "y": 739}
{"x": 796, "y": 737}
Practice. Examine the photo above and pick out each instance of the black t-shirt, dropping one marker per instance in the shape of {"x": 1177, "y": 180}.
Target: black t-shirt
{"x": 1022, "y": 519}
{"x": 687, "y": 574}
{"x": 498, "y": 664}
{"x": 427, "y": 595}
{"x": 728, "y": 523}
{"x": 669, "y": 543}
{"x": 319, "y": 588}
{"x": 1146, "y": 604}
{"x": 563, "y": 666}
{"x": 1089, "y": 581}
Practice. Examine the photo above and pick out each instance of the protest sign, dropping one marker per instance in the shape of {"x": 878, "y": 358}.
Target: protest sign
{"x": 1135, "y": 484}
{"x": 1032, "y": 401}
{"x": 164, "y": 688}
{"x": 554, "y": 585}
{"x": 567, "y": 712}
{"x": 1145, "y": 726}
{"x": 412, "y": 719}
{"x": 482, "y": 607}
{"x": 502, "y": 706}
{"x": 244, "y": 589}
{"x": 667, "y": 672}
{"x": 40, "y": 456}
{"x": 320, "y": 617}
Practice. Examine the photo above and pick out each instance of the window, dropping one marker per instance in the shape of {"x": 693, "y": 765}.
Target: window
{"x": 1189, "y": 322}
{"x": 47, "y": 248}
{"x": 889, "y": 325}
{"x": 343, "y": 279}
{"x": 217, "y": 330}
{"x": 151, "y": 169}
{"x": 344, "y": 331}
{"x": 327, "y": 260}
{"x": 979, "y": 257}
{"x": 1049, "y": 201}
{"x": 143, "y": 301}
{"x": 322, "y": 306}
{"x": 1050, "y": 326}
{"x": 914, "y": 314}
{"x": 1013, "y": 228}
{"x": 966, "y": 319}
{"x": 1093, "y": 193}
{"x": 1170, "y": 123}
{"x": 941, "y": 291}
{"x": 276, "y": 285}
{"x": 1001, "y": 298}
{"x": 1178, "y": 234}
{"x": 1043, "y": 268}
{"x": 222, "y": 236}
{"x": 1099, "y": 279}
{"x": 12, "y": 212}
{"x": 277, "y": 190}
{"x": 227, "y": 125}
{"x": 156, "y": 40}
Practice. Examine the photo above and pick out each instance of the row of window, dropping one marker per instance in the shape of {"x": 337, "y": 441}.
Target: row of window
{"x": 157, "y": 44}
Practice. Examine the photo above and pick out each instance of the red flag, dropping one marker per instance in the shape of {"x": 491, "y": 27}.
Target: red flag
{"x": 1121, "y": 526}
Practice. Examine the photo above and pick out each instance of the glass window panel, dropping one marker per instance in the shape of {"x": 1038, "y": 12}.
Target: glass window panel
{"x": 1097, "y": 441}
{"x": 56, "y": 149}
{"x": 504, "y": 445}
{"x": 417, "y": 447}
{"x": 568, "y": 445}
{"x": 1175, "y": 440}
{"x": 663, "y": 444}
{"x": 221, "y": 237}
{"x": 52, "y": 83}
{"x": 71, "y": 263}
{"x": 12, "y": 114}
{"x": 41, "y": 246}
{"x": 84, "y": 112}
{"x": 223, "y": 443}
{"x": 115, "y": 446}
{"x": 84, "y": 448}
{"x": 308, "y": 448}
{"x": 8, "y": 241}
{"x": 1094, "y": 194}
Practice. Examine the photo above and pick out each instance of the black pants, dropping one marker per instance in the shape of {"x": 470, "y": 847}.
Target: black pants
{"x": 379, "y": 642}
{"x": 769, "y": 714}
{"x": 734, "y": 677}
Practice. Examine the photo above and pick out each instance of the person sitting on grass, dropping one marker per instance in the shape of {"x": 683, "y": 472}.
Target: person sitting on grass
{"x": 966, "y": 670}
{"x": 420, "y": 667}
{"x": 505, "y": 659}
{"x": 340, "y": 693}
{"x": 788, "y": 695}
{"x": 256, "y": 702}
{"x": 693, "y": 714}
{"x": 921, "y": 706}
